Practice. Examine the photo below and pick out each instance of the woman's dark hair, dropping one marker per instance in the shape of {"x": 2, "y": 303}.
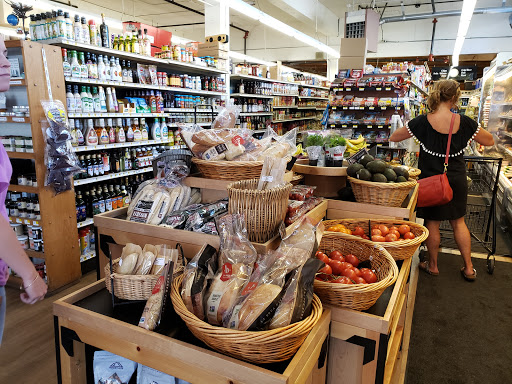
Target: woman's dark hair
{"x": 443, "y": 90}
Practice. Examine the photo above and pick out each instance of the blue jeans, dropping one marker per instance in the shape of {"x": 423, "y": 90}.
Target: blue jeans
{"x": 3, "y": 305}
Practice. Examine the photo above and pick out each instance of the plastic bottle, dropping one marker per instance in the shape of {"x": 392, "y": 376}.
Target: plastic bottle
{"x": 65, "y": 63}
{"x": 91, "y": 138}
{"x": 84, "y": 72}
{"x": 78, "y": 100}
{"x": 110, "y": 101}
{"x": 164, "y": 131}
{"x": 101, "y": 68}
{"x": 119, "y": 71}
{"x": 107, "y": 68}
{"x": 70, "y": 100}
{"x": 84, "y": 97}
{"x": 113, "y": 70}
{"x": 61, "y": 24}
{"x": 103, "y": 101}
{"x": 77, "y": 30}
{"x": 114, "y": 97}
{"x": 32, "y": 28}
{"x": 111, "y": 132}
{"x": 156, "y": 130}
{"x": 93, "y": 32}
{"x": 120, "y": 135}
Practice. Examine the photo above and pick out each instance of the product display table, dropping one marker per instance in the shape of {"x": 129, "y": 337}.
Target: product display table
{"x": 328, "y": 180}
{"x": 85, "y": 322}
{"x": 364, "y": 346}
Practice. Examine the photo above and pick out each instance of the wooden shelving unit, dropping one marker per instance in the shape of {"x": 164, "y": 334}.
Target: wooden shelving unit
{"x": 62, "y": 254}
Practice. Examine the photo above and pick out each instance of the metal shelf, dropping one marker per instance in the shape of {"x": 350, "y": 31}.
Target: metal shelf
{"x": 366, "y": 108}
{"x": 286, "y": 94}
{"x": 119, "y": 115}
{"x": 189, "y": 110}
{"x": 167, "y": 63}
{"x": 294, "y": 119}
{"x": 368, "y": 126}
{"x": 313, "y": 97}
{"x": 250, "y": 95}
{"x": 313, "y": 86}
{"x": 87, "y": 256}
{"x": 256, "y": 114}
{"x": 362, "y": 89}
{"x": 111, "y": 176}
{"x": 85, "y": 223}
{"x": 14, "y": 119}
{"x": 283, "y": 106}
{"x": 419, "y": 88}
{"x": 122, "y": 145}
{"x": 264, "y": 79}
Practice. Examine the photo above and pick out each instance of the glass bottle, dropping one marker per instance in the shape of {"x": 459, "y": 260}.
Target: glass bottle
{"x": 65, "y": 63}
{"x": 119, "y": 71}
{"x": 105, "y": 35}
{"x": 147, "y": 43}
{"x": 124, "y": 71}
{"x": 129, "y": 131}
{"x": 84, "y": 73}
{"x": 135, "y": 43}
{"x": 127, "y": 42}
{"x": 113, "y": 197}
{"x": 70, "y": 100}
{"x": 111, "y": 132}
{"x": 89, "y": 165}
{"x": 108, "y": 199}
{"x": 103, "y": 136}
{"x": 75, "y": 65}
{"x": 137, "y": 133}
{"x": 86, "y": 38}
{"x": 130, "y": 72}
{"x": 107, "y": 68}
{"x": 120, "y": 134}
{"x": 85, "y": 100}
{"x": 101, "y": 68}
{"x": 91, "y": 137}
{"x": 93, "y": 32}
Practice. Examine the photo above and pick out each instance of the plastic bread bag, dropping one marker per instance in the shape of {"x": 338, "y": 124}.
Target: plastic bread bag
{"x": 284, "y": 146}
{"x": 205, "y": 214}
{"x": 272, "y": 173}
{"x": 226, "y": 118}
{"x": 173, "y": 175}
{"x": 153, "y": 309}
{"x": 112, "y": 369}
{"x": 146, "y": 260}
{"x": 236, "y": 261}
{"x": 195, "y": 279}
{"x": 296, "y": 302}
{"x": 147, "y": 375}
{"x": 149, "y": 184}
{"x": 59, "y": 157}
{"x": 151, "y": 205}
{"x": 178, "y": 219}
{"x": 129, "y": 257}
{"x": 165, "y": 255}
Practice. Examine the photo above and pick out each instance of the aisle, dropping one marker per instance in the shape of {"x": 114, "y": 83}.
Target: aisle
{"x": 461, "y": 331}
{"x": 27, "y": 353}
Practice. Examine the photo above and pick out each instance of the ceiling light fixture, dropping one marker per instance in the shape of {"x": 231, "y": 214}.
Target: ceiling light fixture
{"x": 468, "y": 6}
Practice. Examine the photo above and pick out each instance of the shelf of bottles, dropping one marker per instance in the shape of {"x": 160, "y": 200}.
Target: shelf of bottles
{"x": 300, "y": 82}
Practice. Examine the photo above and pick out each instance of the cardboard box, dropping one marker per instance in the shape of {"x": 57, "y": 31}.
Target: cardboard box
{"x": 215, "y": 53}
{"x": 353, "y": 47}
{"x": 276, "y": 71}
{"x": 215, "y": 45}
{"x": 349, "y": 62}
{"x": 222, "y": 64}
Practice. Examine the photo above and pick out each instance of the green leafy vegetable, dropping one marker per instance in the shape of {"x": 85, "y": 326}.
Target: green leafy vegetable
{"x": 314, "y": 140}
{"x": 335, "y": 141}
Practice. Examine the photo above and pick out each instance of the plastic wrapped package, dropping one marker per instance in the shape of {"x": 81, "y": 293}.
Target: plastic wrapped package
{"x": 178, "y": 219}
{"x": 195, "y": 279}
{"x": 153, "y": 308}
{"x": 164, "y": 255}
{"x": 173, "y": 175}
{"x": 272, "y": 173}
{"x": 129, "y": 258}
{"x": 147, "y": 375}
{"x": 146, "y": 260}
{"x": 59, "y": 156}
{"x": 297, "y": 208}
{"x": 205, "y": 214}
{"x": 297, "y": 247}
{"x": 302, "y": 192}
{"x": 151, "y": 205}
{"x": 226, "y": 118}
{"x": 112, "y": 369}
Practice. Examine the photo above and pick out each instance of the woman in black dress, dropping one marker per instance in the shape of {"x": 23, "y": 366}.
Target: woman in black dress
{"x": 431, "y": 131}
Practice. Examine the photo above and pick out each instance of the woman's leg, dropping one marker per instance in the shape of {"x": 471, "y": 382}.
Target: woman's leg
{"x": 433, "y": 240}
{"x": 463, "y": 240}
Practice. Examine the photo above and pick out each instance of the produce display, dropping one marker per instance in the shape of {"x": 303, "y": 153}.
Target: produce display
{"x": 369, "y": 169}
{"x": 355, "y": 145}
{"x": 343, "y": 269}
{"x": 379, "y": 232}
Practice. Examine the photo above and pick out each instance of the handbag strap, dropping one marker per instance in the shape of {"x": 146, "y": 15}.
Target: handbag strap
{"x": 448, "y": 145}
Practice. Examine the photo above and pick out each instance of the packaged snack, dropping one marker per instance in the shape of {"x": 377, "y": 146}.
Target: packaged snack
{"x": 195, "y": 279}
{"x": 129, "y": 258}
{"x": 112, "y": 369}
{"x": 153, "y": 74}
{"x": 347, "y": 100}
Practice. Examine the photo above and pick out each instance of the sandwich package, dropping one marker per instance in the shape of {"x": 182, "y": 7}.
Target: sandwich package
{"x": 195, "y": 279}
{"x": 129, "y": 258}
{"x": 153, "y": 308}
{"x": 112, "y": 369}
{"x": 236, "y": 261}
{"x": 146, "y": 260}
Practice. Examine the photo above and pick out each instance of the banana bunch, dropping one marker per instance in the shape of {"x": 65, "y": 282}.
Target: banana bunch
{"x": 354, "y": 145}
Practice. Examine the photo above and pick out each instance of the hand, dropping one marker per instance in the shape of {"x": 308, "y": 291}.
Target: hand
{"x": 35, "y": 291}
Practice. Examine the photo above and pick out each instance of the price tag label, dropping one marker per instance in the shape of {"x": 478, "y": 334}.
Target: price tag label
{"x": 388, "y": 88}
{"x": 357, "y": 156}
{"x": 333, "y": 125}
{"x": 378, "y": 89}
{"x": 27, "y": 222}
{"x": 3, "y": 118}
{"x": 344, "y": 125}
{"x": 354, "y": 126}
{"x": 370, "y": 126}
{"x": 380, "y": 126}
{"x": 36, "y": 223}
{"x": 348, "y": 89}
{"x": 361, "y": 88}
{"x": 383, "y": 108}
{"x": 19, "y": 221}
{"x": 15, "y": 82}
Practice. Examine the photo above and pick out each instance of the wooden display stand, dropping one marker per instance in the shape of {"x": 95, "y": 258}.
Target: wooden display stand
{"x": 58, "y": 214}
{"x": 85, "y": 318}
{"x": 328, "y": 180}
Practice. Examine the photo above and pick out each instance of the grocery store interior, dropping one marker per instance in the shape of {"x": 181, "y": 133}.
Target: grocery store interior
{"x": 255, "y": 191}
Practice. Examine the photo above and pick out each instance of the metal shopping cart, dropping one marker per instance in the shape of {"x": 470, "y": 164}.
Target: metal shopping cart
{"x": 483, "y": 177}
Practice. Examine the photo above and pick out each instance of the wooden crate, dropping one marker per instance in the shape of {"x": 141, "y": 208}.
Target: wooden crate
{"x": 79, "y": 322}
{"x": 364, "y": 346}
{"x": 338, "y": 209}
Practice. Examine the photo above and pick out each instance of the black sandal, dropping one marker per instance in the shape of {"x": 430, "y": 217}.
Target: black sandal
{"x": 469, "y": 278}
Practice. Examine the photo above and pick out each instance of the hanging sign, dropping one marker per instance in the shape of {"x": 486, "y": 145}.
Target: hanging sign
{"x": 456, "y": 73}
{"x": 13, "y": 20}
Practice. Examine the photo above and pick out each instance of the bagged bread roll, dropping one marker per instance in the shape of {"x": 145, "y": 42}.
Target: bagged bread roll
{"x": 163, "y": 206}
{"x": 278, "y": 150}
{"x": 164, "y": 255}
{"x": 212, "y": 137}
{"x": 146, "y": 260}
{"x": 256, "y": 304}
{"x": 128, "y": 260}
{"x": 151, "y": 206}
{"x": 153, "y": 308}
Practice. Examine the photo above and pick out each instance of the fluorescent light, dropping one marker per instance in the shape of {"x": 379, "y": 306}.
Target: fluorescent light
{"x": 246, "y": 9}
{"x": 468, "y": 7}
{"x": 250, "y": 59}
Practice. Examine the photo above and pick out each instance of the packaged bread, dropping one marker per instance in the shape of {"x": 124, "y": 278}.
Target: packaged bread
{"x": 164, "y": 256}
{"x": 153, "y": 308}
{"x": 142, "y": 188}
{"x": 195, "y": 279}
{"x": 226, "y": 118}
{"x": 128, "y": 260}
{"x": 146, "y": 260}
{"x": 151, "y": 206}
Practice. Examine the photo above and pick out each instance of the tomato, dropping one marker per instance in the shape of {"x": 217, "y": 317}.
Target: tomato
{"x": 393, "y": 228}
{"x": 347, "y": 231}
{"x": 332, "y": 229}
{"x": 322, "y": 256}
{"x": 369, "y": 275}
{"x": 376, "y": 232}
{"x": 409, "y": 236}
{"x": 336, "y": 267}
{"x": 350, "y": 273}
{"x": 403, "y": 229}
{"x": 358, "y": 231}
{"x": 345, "y": 265}
{"x": 375, "y": 226}
{"x": 365, "y": 237}
{"x": 358, "y": 272}
{"x": 336, "y": 255}
{"x": 326, "y": 269}
{"x": 395, "y": 232}
{"x": 360, "y": 280}
{"x": 384, "y": 229}
{"x": 378, "y": 239}
{"x": 391, "y": 237}
{"x": 342, "y": 280}
{"x": 352, "y": 260}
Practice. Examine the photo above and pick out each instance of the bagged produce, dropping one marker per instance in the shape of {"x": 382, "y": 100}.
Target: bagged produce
{"x": 129, "y": 257}
{"x": 195, "y": 279}
{"x": 236, "y": 260}
{"x": 112, "y": 369}
{"x": 146, "y": 260}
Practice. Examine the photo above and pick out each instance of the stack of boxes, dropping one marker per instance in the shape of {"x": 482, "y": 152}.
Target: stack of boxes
{"x": 217, "y": 50}
{"x": 353, "y": 53}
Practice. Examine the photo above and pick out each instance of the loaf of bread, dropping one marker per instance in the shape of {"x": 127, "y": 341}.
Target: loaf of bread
{"x": 146, "y": 260}
{"x": 256, "y": 303}
{"x": 128, "y": 261}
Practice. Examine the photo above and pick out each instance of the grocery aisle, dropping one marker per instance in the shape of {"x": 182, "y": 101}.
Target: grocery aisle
{"x": 27, "y": 352}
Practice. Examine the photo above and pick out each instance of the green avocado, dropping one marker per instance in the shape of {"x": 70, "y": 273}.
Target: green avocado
{"x": 401, "y": 171}
{"x": 379, "y": 178}
{"x": 390, "y": 174}
{"x": 401, "y": 179}
{"x": 353, "y": 168}
{"x": 376, "y": 166}
{"x": 366, "y": 159}
{"x": 391, "y": 182}
{"x": 364, "y": 174}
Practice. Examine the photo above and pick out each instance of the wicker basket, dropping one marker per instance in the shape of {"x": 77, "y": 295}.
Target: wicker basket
{"x": 229, "y": 170}
{"x": 400, "y": 250}
{"x": 357, "y": 296}
{"x": 388, "y": 194}
{"x": 131, "y": 287}
{"x": 296, "y": 179}
{"x": 414, "y": 173}
{"x": 256, "y": 347}
{"x": 264, "y": 210}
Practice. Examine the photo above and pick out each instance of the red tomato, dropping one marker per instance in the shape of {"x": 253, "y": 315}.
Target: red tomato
{"x": 378, "y": 239}
{"x": 391, "y": 237}
{"x": 358, "y": 231}
{"x": 358, "y": 272}
{"x": 393, "y": 228}
{"x": 384, "y": 229}
{"x": 375, "y": 226}
{"x": 409, "y": 236}
{"x": 336, "y": 255}
{"x": 403, "y": 229}
{"x": 369, "y": 275}
{"x": 352, "y": 260}
{"x": 360, "y": 280}
{"x": 350, "y": 273}
{"x": 365, "y": 237}
{"x": 395, "y": 232}
{"x": 326, "y": 269}
{"x": 322, "y": 256}
{"x": 336, "y": 267}
{"x": 342, "y": 280}
{"x": 346, "y": 265}
{"x": 376, "y": 232}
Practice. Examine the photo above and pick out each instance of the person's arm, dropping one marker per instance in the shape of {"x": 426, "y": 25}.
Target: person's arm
{"x": 16, "y": 258}
{"x": 484, "y": 138}
{"x": 400, "y": 134}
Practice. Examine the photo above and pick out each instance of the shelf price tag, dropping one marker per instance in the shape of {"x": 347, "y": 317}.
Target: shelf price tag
{"x": 369, "y": 126}
{"x": 3, "y": 119}
{"x": 348, "y": 89}
{"x": 354, "y": 126}
{"x": 19, "y": 221}
{"x": 371, "y": 108}
{"x": 344, "y": 125}
{"x": 378, "y": 89}
{"x": 361, "y": 88}
{"x": 380, "y": 126}
{"x": 388, "y": 88}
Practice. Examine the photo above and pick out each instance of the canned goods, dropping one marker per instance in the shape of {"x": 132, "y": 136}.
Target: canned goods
{"x": 23, "y": 240}
{"x": 18, "y": 229}
{"x": 38, "y": 245}
{"x": 30, "y": 231}
{"x": 31, "y": 243}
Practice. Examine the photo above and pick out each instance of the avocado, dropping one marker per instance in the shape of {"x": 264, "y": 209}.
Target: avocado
{"x": 401, "y": 171}
{"x": 379, "y": 178}
{"x": 391, "y": 182}
{"x": 390, "y": 174}
{"x": 346, "y": 194}
{"x": 376, "y": 166}
{"x": 364, "y": 174}
{"x": 353, "y": 168}
{"x": 401, "y": 179}
{"x": 365, "y": 160}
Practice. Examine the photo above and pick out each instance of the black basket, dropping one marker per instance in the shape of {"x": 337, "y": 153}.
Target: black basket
{"x": 177, "y": 156}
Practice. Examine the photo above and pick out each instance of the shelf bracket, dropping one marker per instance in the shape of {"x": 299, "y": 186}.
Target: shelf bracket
{"x": 67, "y": 336}
{"x": 367, "y": 344}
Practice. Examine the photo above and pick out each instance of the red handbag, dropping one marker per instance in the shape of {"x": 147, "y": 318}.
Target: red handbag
{"x": 435, "y": 190}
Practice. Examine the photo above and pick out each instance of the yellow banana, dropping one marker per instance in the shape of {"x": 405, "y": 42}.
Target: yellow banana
{"x": 359, "y": 140}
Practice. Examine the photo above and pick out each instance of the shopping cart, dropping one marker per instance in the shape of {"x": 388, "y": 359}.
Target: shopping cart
{"x": 483, "y": 177}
